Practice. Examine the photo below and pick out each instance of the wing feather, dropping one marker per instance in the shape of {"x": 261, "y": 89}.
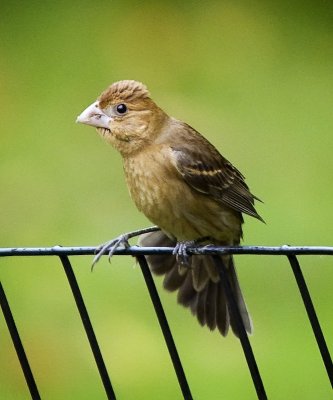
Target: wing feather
{"x": 208, "y": 172}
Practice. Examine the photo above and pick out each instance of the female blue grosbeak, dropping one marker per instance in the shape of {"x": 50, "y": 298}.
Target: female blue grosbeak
{"x": 184, "y": 186}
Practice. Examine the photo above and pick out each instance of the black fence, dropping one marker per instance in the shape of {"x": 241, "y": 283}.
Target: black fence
{"x": 64, "y": 252}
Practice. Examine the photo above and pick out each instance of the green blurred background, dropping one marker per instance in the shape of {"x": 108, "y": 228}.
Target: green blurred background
{"x": 255, "y": 77}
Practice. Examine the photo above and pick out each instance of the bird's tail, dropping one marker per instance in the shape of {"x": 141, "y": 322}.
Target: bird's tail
{"x": 199, "y": 285}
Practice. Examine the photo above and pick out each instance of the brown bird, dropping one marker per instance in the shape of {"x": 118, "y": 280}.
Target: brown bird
{"x": 184, "y": 186}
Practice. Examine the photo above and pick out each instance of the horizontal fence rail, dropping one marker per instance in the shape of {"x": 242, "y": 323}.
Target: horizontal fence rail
{"x": 291, "y": 252}
{"x": 136, "y": 250}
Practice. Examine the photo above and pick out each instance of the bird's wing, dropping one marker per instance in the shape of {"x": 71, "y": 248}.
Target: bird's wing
{"x": 210, "y": 173}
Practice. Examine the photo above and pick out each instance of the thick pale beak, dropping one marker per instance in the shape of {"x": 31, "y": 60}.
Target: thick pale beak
{"x": 94, "y": 116}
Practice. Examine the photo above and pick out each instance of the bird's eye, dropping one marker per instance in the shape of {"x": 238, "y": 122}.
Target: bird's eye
{"x": 121, "y": 108}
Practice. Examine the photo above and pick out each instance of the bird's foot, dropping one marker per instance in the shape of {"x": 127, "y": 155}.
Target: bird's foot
{"x": 121, "y": 241}
{"x": 180, "y": 251}
{"x": 110, "y": 247}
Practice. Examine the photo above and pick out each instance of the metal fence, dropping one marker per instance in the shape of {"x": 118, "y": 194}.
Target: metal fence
{"x": 64, "y": 252}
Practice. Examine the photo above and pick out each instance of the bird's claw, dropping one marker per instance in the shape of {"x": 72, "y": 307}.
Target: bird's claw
{"x": 111, "y": 246}
{"x": 180, "y": 251}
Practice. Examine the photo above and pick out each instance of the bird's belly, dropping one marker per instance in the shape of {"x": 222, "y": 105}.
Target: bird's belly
{"x": 180, "y": 211}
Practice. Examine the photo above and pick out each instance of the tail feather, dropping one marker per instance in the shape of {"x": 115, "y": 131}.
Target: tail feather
{"x": 211, "y": 305}
{"x": 200, "y": 276}
{"x": 160, "y": 264}
{"x": 199, "y": 285}
{"x": 222, "y": 317}
{"x": 247, "y": 321}
{"x": 201, "y": 307}
{"x": 173, "y": 280}
{"x": 186, "y": 293}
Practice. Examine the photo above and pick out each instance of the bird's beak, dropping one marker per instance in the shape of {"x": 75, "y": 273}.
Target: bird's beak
{"x": 94, "y": 116}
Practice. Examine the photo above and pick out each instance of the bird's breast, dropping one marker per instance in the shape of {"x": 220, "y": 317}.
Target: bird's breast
{"x": 165, "y": 198}
{"x": 149, "y": 181}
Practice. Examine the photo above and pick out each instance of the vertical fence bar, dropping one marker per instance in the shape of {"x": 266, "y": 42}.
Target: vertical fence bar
{"x": 161, "y": 315}
{"x": 312, "y": 316}
{"x": 18, "y": 345}
{"x": 88, "y": 328}
{"x": 165, "y": 328}
{"x": 251, "y": 361}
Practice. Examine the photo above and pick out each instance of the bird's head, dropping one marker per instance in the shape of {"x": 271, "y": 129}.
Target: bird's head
{"x": 125, "y": 116}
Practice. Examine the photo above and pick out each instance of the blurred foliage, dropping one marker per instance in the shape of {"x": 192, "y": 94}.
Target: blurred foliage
{"x": 256, "y": 79}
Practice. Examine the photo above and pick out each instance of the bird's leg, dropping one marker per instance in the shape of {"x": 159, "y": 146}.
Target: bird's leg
{"x": 180, "y": 251}
{"x": 122, "y": 240}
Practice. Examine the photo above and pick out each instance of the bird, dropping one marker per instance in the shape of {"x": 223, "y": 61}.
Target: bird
{"x": 192, "y": 193}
